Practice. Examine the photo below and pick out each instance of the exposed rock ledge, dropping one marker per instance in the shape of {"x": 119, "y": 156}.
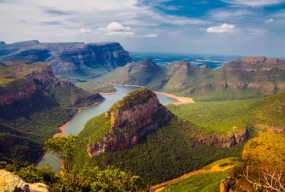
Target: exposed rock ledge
{"x": 225, "y": 141}
{"x": 131, "y": 118}
{"x": 10, "y": 182}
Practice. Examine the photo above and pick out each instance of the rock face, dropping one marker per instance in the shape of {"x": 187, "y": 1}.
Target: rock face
{"x": 92, "y": 59}
{"x": 225, "y": 141}
{"x": 12, "y": 183}
{"x": 131, "y": 118}
{"x": 27, "y": 80}
{"x": 226, "y": 184}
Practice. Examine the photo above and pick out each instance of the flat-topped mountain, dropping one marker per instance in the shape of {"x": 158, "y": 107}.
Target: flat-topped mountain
{"x": 245, "y": 78}
{"x": 72, "y": 61}
{"x": 33, "y": 104}
{"x": 141, "y": 136}
{"x": 130, "y": 119}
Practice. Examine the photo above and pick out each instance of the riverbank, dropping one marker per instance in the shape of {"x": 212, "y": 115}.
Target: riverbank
{"x": 62, "y": 128}
{"x": 108, "y": 93}
{"x": 180, "y": 100}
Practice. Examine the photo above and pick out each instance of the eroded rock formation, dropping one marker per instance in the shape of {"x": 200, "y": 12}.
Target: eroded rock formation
{"x": 90, "y": 59}
{"x": 13, "y": 183}
{"x": 225, "y": 141}
{"x": 131, "y": 118}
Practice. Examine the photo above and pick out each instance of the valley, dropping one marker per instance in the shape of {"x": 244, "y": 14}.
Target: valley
{"x": 131, "y": 129}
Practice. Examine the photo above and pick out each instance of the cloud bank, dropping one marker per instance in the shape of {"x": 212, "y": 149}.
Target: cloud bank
{"x": 224, "y": 28}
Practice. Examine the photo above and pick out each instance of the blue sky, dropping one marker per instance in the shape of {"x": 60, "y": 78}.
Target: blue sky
{"x": 226, "y": 27}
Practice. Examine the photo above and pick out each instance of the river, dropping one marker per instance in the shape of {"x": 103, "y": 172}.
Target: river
{"x": 78, "y": 121}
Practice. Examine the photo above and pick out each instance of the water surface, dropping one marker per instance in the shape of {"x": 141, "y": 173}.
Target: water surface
{"x": 78, "y": 122}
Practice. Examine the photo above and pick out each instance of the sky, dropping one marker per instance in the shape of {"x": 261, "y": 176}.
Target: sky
{"x": 223, "y": 27}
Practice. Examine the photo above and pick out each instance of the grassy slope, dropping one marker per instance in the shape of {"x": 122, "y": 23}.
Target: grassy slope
{"x": 170, "y": 147}
{"x": 205, "y": 182}
{"x": 182, "y": 78}
{"x": 226, "y": 117}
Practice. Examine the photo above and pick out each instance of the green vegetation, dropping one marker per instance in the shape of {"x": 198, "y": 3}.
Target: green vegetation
{"x": 130, "y": 100}
{"x": 94, "y": 88}
{"x": 75, "y": 179}
{"x": 167, "y": 153}
{"x": 204, "y": 182}
{"x": 227, "y": 117}
{"x": 234, "y": 81}
{"x": 41, "y": 104}
{"x": 222, "y": 163}
{"x": 263, "y": 160}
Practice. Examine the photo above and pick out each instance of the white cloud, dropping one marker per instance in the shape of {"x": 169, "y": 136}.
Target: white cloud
{"x": 254, "y": 3}
{"x": 83, "y": 30}
{"x": 221, "y": 29}
{"x": 268, "y": 20}
{"x": 150, "y": 35}
{"x": 115, "y": 28}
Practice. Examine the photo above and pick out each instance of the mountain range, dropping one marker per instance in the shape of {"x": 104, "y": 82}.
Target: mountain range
{"x": 70, "y": 61}
{"x": 245, "y": 78}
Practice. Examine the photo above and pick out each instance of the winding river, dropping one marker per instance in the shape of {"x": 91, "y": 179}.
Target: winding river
{"x": 79, "y": 120}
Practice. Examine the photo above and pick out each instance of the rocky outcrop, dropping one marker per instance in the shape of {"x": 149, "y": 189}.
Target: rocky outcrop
{"x": 226, "y": 184}
{"x": 225, "y": 141}
{"x": 12, "y": 183}
{"x": 131, "y": 118}
{"x": 253, "y": 59}
{"x": 29, "y": 79}
{"x": 14, "y": 96}
{"x": 92, "y": 59}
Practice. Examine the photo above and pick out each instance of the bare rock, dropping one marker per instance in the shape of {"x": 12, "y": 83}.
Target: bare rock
{"x": 225, "y": 141}
{"x": 253, "y": 59}
{"x": 12, "y": 183}
{"x": 131, "y": 118}
{"x": 39, "y": 187}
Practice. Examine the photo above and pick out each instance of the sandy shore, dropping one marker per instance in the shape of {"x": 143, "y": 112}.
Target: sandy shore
{"x": 109, "y": 93}
{"x": 62, "y": 128}
{"x": 180, "y": 100}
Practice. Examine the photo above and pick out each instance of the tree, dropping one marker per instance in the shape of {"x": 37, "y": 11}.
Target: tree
{"x": 63, "y": 148}
{"x": 87, "y": 178}
{"x": 264, "y": 178}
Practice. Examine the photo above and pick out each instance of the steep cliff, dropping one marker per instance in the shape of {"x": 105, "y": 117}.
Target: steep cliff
{"x": 225, "y": 141}
{"x": 33, "y": 104}
{"x": 141, "y": 136}
{"x": 131, "y": 118}
{"x": 84, "y": 61}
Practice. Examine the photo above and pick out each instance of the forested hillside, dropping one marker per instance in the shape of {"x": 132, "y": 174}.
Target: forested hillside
{"x": 33, "y": 104}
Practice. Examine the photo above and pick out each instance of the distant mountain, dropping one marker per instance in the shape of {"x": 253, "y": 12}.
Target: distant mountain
{"x": 245, "y": 78}
{"x": 70, "y": 61}
{"x": 33, "y": 104}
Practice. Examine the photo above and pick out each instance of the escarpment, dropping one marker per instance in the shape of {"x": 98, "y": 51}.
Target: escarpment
{"x": 131, "y": 118}
{"x": 225, "y": 141}
{"x": 23, "y": 80}
{"x": 71, "y": 61}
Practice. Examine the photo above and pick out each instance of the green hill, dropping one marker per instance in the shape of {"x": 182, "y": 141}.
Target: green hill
{"x": 161, "y": 154}
{"x": 33, "y": 104}
{"x": 226, "y": 117}
{"x": 245, "y": 78}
